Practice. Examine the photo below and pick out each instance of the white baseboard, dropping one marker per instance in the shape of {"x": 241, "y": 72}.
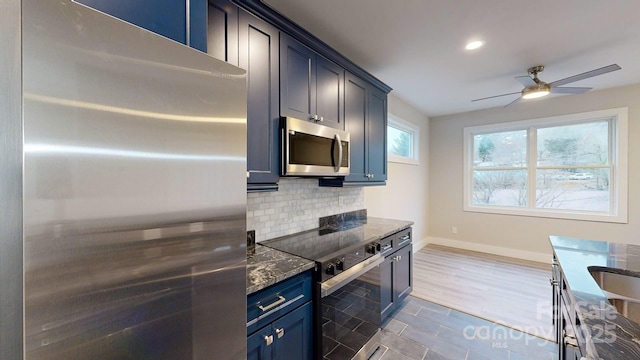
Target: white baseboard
{"x": 489, "y": 249}
{"x": 420, "y": 244}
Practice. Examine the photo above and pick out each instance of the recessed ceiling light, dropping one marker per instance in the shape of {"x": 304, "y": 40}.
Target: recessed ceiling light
{"x": 474, "y": 45}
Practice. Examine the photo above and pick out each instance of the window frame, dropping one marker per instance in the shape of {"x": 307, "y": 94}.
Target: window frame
{"x": 414, "y": 131}
{"x": 618, "y": 183}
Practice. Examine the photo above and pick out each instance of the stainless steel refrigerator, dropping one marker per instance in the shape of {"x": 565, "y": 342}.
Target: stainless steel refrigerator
{"x": 124, "y": 167}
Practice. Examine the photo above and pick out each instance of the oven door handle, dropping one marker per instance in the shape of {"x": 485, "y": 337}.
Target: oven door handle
{"x": 335, "y": 283}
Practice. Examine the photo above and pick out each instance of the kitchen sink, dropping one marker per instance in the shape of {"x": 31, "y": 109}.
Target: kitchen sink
{"x": 621, "y": 289}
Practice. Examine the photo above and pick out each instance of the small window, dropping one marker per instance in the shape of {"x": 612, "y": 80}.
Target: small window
{"x": 571, "y": 167}
{"x": 402, "y": 141}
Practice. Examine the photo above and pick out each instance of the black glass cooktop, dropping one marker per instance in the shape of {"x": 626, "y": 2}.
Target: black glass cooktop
{"x": 318, "y": 245}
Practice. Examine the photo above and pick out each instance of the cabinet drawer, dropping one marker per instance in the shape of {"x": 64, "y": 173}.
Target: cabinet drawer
{"x": 402, "y": 238}
{"x": 277, "y": 300}
{"x": 385, "y": 245}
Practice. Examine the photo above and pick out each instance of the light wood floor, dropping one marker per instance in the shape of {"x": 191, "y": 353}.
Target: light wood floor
{"x": 513, "y": 292}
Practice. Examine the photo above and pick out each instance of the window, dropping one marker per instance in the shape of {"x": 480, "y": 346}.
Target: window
{"x": 571, "y": 167}
{"x": 402, "y": 141}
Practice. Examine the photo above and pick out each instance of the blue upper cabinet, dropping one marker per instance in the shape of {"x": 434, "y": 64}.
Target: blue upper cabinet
{"x": 259, "y": 54}
{"x": 366, "y": 120}
{"x": 184, "y": 21}
{"x": 311, "y": 87}
{"x": 222, "y": 31}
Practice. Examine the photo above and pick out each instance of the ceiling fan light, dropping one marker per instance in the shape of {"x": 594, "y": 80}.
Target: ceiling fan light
{"x": 474, "y": 45}
{"x": 536, "y": 92}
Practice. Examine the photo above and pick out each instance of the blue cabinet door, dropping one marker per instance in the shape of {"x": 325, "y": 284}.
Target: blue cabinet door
{"x": 330, "y": 93}
{"x": 179, "y": 20}
{"x": 260, "y": 344}
{"x": 298, "y": 80}
{"x": 289, "y": 337}
{"x": 222, "y": 30}
{"x": 387, "y": 302}
{"x": 377, "y": 135}
{"x": 293, "y": 334}
{"x": 365, "y": 109}
{"x": 403, "y": 281}
{"x": 259, "y": 54}
{"x": 311, "y": 87}
{"x": 355, "y": 110}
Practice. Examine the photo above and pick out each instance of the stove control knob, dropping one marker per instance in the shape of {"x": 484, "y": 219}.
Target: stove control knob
{"x": 331, "y": 269}
{"x": 340, "y": 264}
{"x": 371, "y": 249}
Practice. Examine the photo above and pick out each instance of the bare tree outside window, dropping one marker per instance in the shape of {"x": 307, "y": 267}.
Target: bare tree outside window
{"x": 572, "y": 170}
{"x": 403, "y": 141}
{"x": 572, "y": 166}
{"x": 402, "y": 144}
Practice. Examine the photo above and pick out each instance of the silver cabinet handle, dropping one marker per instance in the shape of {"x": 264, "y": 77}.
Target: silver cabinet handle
{"x": 268, "y": 340}
{"x": 553, "y": 282}
{"x": 569, "y": 339}
{"x": 280, "y": 332}
{"x": 397, "y": 257}
{"x": 280, "y": 300}
{"x": 571, "y": 342}
{"x": 404, "y": 240}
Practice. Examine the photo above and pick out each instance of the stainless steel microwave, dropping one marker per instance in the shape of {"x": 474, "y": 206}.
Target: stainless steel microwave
{"x": 310, "y": 149}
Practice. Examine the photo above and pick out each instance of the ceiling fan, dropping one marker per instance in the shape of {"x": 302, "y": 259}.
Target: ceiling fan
{"x": 535, "y": 88}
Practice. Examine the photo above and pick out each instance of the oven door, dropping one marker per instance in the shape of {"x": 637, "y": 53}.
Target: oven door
{"x": 350, "y": 312}
{"x": 313, "y": 150}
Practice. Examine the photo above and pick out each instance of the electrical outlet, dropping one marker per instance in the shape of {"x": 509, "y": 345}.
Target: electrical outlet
{"x": 454, "y": 230}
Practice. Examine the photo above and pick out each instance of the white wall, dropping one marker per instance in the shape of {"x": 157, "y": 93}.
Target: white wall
{"x": 406, "y": 195}
{"x": 519, "y": 236}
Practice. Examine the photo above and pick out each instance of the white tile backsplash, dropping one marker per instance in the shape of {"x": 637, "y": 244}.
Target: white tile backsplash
{"x": 297, "y": 206}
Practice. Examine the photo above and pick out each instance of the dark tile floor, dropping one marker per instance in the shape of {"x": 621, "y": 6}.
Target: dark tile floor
{"x": 421, "y": 330}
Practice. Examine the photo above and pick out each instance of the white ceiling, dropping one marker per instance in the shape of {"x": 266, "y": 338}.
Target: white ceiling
{"x": 417, "y": 46}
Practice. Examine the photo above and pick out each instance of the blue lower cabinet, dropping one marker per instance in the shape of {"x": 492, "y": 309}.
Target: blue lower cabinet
{"x": 289, "y": 337}
{"x": 280, "y": 321}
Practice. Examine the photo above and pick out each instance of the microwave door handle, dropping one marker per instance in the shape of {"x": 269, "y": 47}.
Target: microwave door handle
{"x": 339, "y": 162}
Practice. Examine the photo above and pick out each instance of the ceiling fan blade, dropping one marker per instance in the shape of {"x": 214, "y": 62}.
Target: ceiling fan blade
{"x": 514, "y": 102}
{"x": 526, "y": 80}
{"x": 586, "y": 75}
{"x": 495, "y": 96}
{"x": 570, "y": 90}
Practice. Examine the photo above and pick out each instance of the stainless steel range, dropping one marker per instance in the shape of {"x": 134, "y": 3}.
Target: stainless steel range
{"x": 347, "y": 296}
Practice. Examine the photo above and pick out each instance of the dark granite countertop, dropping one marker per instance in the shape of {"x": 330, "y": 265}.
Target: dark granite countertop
{"x": 609, "y": 335}
{"x": 269, "y": 266}
{"x": 377, "y": 228}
